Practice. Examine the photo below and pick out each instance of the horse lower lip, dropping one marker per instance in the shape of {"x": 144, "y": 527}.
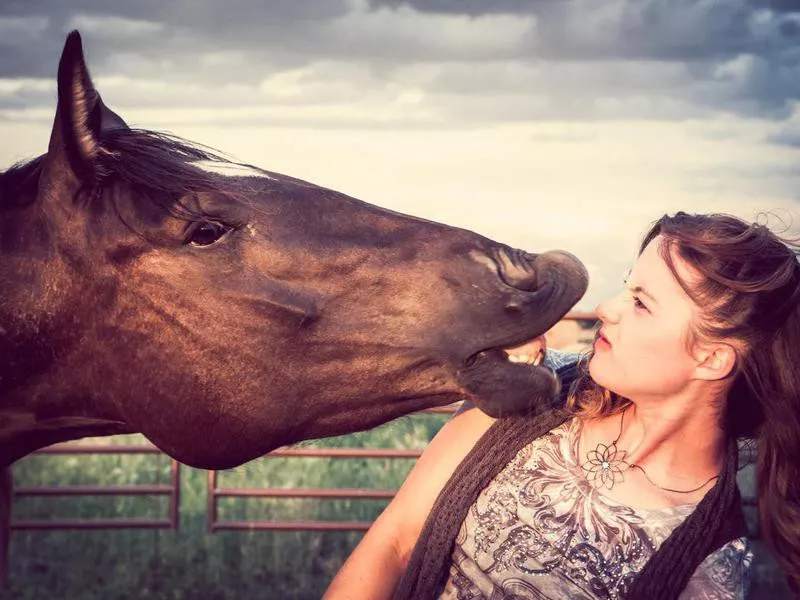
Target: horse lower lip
{"x": 503, "y": 388}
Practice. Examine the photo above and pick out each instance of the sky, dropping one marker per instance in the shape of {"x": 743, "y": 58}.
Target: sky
{"x": 570, "y": 124}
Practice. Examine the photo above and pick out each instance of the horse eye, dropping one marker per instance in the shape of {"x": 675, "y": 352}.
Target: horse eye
{"x": 206, "y": 233}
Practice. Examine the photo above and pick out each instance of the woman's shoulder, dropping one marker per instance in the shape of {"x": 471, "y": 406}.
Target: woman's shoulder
{"x": 724, "y": 574}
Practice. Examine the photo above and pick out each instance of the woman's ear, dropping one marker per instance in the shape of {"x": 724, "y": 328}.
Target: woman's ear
{"x": 715, "y": 361}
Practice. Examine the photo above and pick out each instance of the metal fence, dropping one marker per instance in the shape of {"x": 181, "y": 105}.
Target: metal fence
{"x": 215, "y": 492}
{"x": 172, "y": 491}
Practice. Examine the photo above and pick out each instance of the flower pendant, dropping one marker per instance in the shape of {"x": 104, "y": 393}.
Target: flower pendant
{"x": 605, "y": 466}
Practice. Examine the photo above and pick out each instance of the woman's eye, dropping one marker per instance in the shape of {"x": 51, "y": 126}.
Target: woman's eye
{"x": 638, "y": 303}
{"x": 206, "y": 233}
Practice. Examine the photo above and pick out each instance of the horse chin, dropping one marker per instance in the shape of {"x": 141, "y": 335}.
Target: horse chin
{"x": 502, "y": 389}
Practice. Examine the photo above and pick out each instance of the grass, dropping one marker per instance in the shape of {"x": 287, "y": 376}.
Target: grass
{"x": 191, "y": 563}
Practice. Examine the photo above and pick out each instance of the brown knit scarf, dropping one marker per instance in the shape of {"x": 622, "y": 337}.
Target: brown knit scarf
{"x": 717, "y": 519}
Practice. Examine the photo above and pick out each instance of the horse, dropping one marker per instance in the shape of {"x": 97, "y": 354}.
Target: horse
{"x": 224, "y": 315}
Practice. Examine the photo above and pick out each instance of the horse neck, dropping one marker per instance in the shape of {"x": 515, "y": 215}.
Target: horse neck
{"x": 50, "y": 406}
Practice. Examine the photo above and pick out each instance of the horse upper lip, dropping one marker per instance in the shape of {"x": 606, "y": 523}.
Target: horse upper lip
{"x": 529, "y": 352}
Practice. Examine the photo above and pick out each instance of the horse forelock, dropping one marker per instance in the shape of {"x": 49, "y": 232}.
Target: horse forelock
{"x": 233, "y": 169}
{"x": 160, "y": 168}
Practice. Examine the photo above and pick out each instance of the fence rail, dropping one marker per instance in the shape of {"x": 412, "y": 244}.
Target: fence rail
{"x": 215, "y": 492}
{"x": 171, "y": 490}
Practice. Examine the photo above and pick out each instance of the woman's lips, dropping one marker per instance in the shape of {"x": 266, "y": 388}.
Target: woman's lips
{"x": 601, "y": 342}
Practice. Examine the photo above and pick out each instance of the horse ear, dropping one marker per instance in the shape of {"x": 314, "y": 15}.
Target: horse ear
{"x": 81, "y": 116}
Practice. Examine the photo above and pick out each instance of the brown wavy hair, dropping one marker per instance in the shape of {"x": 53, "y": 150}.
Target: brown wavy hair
{"x": 750, "y": 296}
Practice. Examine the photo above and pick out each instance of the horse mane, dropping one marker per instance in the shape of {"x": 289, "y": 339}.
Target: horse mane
{"x": 19, "y": 184}
{"x": 157, "y": 166}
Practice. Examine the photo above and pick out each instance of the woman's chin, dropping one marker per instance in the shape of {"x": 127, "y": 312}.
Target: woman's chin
{"x": 598, "y": 371}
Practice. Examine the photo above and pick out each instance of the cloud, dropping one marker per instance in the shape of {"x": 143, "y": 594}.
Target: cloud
{"x": 404, "y": 35}
{"x": 736, "y": 55}
{"x": 789, "y": 136}
{"x": 20, "y": 30}
{"x": 113, "y": 27}
{"x": 468, "y": 7}
{"x": 464, "y": 61}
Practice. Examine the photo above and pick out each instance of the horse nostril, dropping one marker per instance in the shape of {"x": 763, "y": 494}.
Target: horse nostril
{"x": 516, "y": 269}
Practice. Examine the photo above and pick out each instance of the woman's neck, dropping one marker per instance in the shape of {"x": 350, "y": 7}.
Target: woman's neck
{"x": 679, "y": 438}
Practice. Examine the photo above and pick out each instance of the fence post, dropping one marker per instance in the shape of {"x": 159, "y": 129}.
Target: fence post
{"x": 6, "y": 498}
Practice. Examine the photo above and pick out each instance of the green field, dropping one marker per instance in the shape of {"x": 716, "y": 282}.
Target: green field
{"x": 193, "y": 564}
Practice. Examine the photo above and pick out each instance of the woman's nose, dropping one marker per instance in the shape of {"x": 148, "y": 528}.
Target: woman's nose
{"x": 607, "y": 310}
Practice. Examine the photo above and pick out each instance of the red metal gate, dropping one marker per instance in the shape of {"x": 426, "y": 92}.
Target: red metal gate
{"x": 171, "y": 490}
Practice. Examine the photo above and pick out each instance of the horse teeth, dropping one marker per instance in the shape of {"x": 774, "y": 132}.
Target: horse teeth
{"x": 526, "y": 359}
{"x": 528, "y": 353}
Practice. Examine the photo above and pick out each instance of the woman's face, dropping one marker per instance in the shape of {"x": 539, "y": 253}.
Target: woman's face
{"x": 641, "y": 349}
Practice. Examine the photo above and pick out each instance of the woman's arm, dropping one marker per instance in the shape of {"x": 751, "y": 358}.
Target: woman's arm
{"x": 375, "y": 566}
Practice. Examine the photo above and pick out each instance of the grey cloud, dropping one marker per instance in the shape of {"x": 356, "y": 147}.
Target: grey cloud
{"x": 787, "y": 137}
{"x": 188, "y": 28}
{"x": 265, "y": 37}
{"x": 779, "y": 5}
{"x": 208, "y": 15}
{"x": 482, "y": 7}
{"x": 580, "y": 59}
{"x": 466, "y": 7}
{"x": 679, "y": 30}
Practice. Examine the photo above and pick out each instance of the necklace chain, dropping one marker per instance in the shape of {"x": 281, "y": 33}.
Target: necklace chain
{"x": 606, "y": 464}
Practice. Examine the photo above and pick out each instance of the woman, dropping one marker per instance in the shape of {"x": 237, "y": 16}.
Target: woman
{"x": 630, "y": 491}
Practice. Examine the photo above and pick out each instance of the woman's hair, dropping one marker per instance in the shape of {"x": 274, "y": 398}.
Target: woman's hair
{"x": 750, "y": 296}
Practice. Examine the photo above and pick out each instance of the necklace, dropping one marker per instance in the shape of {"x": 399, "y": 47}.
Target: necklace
{"x": 606, "y": 464}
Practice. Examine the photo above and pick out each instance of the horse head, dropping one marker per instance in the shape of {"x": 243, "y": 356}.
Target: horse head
{"x": 223, "y": 315}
